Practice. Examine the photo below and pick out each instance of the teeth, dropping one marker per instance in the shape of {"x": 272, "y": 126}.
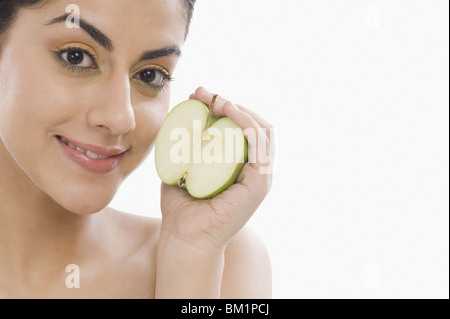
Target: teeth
{"x": 91, "y": 155}
{"x": 94, "y": 156}
{"x": 87, "y": 153}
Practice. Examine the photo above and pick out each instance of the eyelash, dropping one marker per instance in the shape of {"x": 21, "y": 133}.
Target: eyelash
{"x": 77, "y": 69}
{"x": 73, "y": 68}
{"x": 165, "y": 74}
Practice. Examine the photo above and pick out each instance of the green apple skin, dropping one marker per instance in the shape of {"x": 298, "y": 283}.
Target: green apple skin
{"x": 201, "y": 180}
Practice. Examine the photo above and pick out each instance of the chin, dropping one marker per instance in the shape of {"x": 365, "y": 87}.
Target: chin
{"x": 86, "y": 209}
{"x": 87, "y": 202}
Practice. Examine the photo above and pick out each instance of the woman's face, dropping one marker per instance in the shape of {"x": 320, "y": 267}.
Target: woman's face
{"x": 80, "y": 107}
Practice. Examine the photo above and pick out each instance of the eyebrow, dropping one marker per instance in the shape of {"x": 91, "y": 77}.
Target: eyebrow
{"x": 95, "y": 33}
{"x": 106, "y": 42}
{"x": 154, "y": 54}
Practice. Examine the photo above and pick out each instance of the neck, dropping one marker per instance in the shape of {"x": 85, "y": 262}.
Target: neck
{"x": 35, "y": 232}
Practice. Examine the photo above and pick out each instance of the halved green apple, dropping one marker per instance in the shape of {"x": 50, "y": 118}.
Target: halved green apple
{"x": 199, "y": 151}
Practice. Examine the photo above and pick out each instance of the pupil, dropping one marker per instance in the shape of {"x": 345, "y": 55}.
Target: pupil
{"x": 75, "y": 57}
{"x": 148, "y": 76}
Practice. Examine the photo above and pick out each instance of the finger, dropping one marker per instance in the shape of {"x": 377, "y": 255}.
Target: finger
{"x": 243, "y": 198}
{"x": 258, "y": 142}
{"x": 205, "y": 96}
{"x": 173, "y": 196}
{"x": 257, "y": 117}
{"x": 259, "y": 133}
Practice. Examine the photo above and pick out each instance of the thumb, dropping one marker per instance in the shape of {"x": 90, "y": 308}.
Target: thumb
{"x": 173, "y": 197}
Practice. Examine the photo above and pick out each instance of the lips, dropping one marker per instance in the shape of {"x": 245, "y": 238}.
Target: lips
{"x": 88, "y": 153}
{"x": 94, "y": 158}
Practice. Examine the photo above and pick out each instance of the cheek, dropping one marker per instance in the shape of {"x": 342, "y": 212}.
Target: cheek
{"x": 22, "y": 100}
{"x": 149, "y": 117}
{"x": 29, "y": 97}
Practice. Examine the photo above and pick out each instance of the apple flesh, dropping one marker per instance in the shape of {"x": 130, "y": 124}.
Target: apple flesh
{"x": 203, "y": 154}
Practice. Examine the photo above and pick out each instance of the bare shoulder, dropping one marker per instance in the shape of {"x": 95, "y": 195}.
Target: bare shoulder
{"x": 140, "y": 225}
{"x": 128, "y": 230}
{"x": 127, "y": 246}
{"x": 247, "y": 271}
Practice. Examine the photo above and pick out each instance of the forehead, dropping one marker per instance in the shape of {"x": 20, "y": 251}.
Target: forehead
{"x": 132, "y": 22}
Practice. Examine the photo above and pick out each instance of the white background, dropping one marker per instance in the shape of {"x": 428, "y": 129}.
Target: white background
{"x": 358, "y": 93}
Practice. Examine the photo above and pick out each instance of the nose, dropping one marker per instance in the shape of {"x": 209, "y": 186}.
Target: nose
{"x": 113, "y": 111}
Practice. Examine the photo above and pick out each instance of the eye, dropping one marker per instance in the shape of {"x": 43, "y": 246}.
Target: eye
{"x": 78, "y": 58}
{"x": 153, "y": 77}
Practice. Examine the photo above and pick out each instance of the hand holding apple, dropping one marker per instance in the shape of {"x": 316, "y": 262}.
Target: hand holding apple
{"x": 223, "y": 215}
{"x": 195, "y": 232}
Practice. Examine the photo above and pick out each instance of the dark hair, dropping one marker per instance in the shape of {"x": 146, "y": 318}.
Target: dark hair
{"x": 9, "y": 9}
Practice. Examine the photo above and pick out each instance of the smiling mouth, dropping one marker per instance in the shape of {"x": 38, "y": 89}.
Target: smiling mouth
{"x": 89, "y": 154}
